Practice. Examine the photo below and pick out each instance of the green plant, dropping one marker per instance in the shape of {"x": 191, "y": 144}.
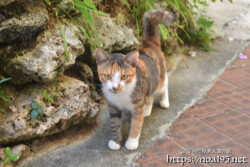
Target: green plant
{"x": 202, "y": 33}
{"x": 64, "y": 38}
{"x": 47, "y": 96}
{"x": 3, "y": 96}
{"x": 9, "y": 157}
{"x": 121, "y": 18}
{"x": 139, "y": 7}
{"x": 85, "y": 22}
{"x": 36, "y": 110}
{"x": 186, "y": 29}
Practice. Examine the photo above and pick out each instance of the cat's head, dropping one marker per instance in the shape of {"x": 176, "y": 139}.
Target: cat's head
{"x": 116, "y": 71}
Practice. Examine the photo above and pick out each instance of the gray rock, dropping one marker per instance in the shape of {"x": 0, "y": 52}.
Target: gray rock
{"x": 22, "y": 20}
{"x": 44, "y": 61}
{"x": 72, "y": 103}
{"x": 6, "y": 2}
{"x": 114, "y": 37}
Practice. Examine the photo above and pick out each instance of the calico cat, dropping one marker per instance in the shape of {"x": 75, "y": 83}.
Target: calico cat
{"x": 130, "y": 81}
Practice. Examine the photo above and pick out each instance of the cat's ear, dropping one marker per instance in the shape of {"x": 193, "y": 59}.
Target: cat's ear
{"x": 101, "y": 56}
{"x": 132, "y": 58}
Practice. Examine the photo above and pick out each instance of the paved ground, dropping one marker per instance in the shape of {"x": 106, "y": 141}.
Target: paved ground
{"x": 217, "y": 126}
{"x": 186, "y": 87}
{"x": 232, "y": 20}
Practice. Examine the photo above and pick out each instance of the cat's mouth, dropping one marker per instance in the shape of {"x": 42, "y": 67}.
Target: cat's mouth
{"x": 114, "y": 91}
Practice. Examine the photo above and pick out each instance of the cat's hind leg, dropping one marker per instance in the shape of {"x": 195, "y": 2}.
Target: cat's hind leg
{"x": 149, "y": 107}
{"x": 164, "y": 102}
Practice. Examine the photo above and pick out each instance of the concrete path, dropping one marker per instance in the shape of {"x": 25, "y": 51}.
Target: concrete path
{"x": 217, "y": 126}
{"x": 232, "y": 20}
{"x": 187, "y": 86}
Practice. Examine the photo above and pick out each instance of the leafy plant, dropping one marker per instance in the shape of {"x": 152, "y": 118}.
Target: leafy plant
{"x": 85, "y": 22}
{"x": 9, "y": 157}
{"x": 121, "y": 18}
{"x": 47, "y": 96}
{"x": 36, "y": 110}
{"x": 48, "y": 2}
{"x": 202, "y": 33}
{"x": 64, "y": 38}
{"x": 3, "y": 96}
{"x": 186, "y": 28}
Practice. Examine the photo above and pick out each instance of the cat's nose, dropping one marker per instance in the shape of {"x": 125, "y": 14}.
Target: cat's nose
{"x": 115, "y": 89}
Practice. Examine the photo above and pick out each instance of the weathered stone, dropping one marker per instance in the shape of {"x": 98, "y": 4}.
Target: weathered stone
{"x": 72, "y": 103}
{"x": 85, "y": 73}
{"x": 113, "y": 36}
{"x": 44, "y": 61}
{"x": 6, "y": 2}
{"x": 21, "y": 20}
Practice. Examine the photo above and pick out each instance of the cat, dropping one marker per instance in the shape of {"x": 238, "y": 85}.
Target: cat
{"x": 129, "y": 82}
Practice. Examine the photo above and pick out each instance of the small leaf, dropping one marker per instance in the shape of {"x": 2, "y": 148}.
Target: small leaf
{"x": 48, "y": 2}
{"x": 89, "y": 4}
{"x": 205, "y": 23}
{"x": 40, "y": 111}
{"x": 64, "y": 39}
{"x": 207, "y": 48}
{"x": 8, "y": 152}
{"x": 7, "y": 160}
{"x": 34, "y": 104}
{"x": 101, "y": 13}
{"x": 4, "y": 80}
{"x": 34, "y": 114}
{"x": 17, "y": 155}
{"x": 13, "y": 158}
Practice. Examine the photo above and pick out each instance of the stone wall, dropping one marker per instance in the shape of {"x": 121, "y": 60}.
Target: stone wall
{"x": 34, "y": 56}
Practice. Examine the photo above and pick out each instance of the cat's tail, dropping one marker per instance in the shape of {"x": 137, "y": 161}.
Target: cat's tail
{"x": 151, "y": 20}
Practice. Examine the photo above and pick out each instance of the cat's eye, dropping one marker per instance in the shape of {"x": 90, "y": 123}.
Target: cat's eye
{"x": 107, "y": 76}
{"x": 124, "y": 77}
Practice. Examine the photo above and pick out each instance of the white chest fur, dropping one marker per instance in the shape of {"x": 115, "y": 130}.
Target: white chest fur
{"x": 121, "y": 100}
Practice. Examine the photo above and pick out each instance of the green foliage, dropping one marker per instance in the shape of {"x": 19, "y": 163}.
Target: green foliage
{"x": 3, "y": 96}
{"x": 48, "y": 2}
{"x": 9, "y": 157}
{"x": 121, "y": 18}
{"x": 47, "y": 96}
{"x": 85, "y": 22}
{"x": 185, "y": 29}
{"x": 36, "y": 110}
{"x": 202, "y": 34}
{"x": 64, "y": 38}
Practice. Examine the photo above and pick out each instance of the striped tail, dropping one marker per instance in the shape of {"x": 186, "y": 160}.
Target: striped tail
{"x": 151, "y": 20}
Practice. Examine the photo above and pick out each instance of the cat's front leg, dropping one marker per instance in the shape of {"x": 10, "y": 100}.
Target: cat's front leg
{"x": 135, "y": 129}
{"x": 116, "y": 123}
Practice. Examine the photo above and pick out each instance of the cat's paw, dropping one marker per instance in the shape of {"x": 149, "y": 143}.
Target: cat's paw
{"x": 148, "y": 110}
{"x": 113, "y": 145}
{"x": 131, "y": 144}
{"x": 147, "y": 113}
{"x": 164, "y": 104}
